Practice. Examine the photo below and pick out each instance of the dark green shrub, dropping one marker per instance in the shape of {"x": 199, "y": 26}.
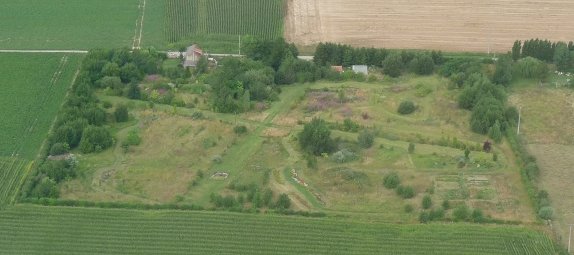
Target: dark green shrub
{"x": 485, "y": 115}
{"x": 411, "y": 148}
{"x": 546, "y": 212}
{"x": 344, "y": 156}
{"x": 133, "y": 138}
{"x": 316, "y": 138}
{"x": 106, "y": 105}
{"x": 424, "y": 217}
{"x": 461, "y": 213}
{"x": 427, "y": 202}
{"x": 406, "y": 107}
{"x": 240, "y": 130}
{"x": 311, "y": 161}
{"x": 366, "y": 139}
{"x": 477, "y": 216}
{"x": 406, "y": 192}
{"x": 436, "y": 214}
{"x": 409, "y": 208}
{"x": 45, "y": 187}
{"x": 532, "y": 170}
{"x": 422, "y": 64}
{"x": 391, "y": 181}
{"x": 59, "y": 149}
{"x": 495, "y": 132}
{"x": 446, "y": 204}
{"x": 95, "y": 139}
{"x": 283, "y": 202}
{"x": 58, "y": 170}
{"x": 393, "y": 65}
{"x": 121, "y": 113}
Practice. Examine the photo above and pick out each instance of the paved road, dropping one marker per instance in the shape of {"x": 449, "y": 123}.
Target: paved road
{"x": 308, "y": 58}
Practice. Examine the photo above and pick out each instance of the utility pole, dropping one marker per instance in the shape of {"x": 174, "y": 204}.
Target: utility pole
{"x": 569, "y": 236}
{"x": 519, "y": 117}
{"x": 239, "y": 45}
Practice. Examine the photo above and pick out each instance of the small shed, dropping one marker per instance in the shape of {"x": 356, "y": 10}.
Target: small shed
{"x": 192, "y": 56}
{"x": 361, "y": 69}
{"x": 338, "y": 69}
{"x": 173, "y": 54}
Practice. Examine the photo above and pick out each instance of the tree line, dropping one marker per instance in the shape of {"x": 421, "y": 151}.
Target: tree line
{"x": 83, "y": 122}
{"x": 559, "y": 53}
{"x": 392, "y": 62}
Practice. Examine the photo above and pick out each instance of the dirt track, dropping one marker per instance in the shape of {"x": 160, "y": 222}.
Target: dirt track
{"x": 453, "y": 25}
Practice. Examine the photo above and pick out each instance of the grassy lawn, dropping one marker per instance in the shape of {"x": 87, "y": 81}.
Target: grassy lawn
{"x": 176, "y": 150}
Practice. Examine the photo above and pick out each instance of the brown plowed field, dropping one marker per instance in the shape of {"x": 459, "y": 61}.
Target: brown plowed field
{"x": 450, "y": 25}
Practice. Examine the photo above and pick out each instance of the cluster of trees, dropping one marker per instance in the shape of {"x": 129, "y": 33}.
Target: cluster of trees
{"x": 328, "y": 54}
{"x": 393, "y": 181}
{"x": 392, "y": 62}
{"x": 486, "y": 96}
{"x": 82, "y": 122}
{"x": 316, "y": 138}
{"x": 49, "y": 174}
{"x": 258, "y": 198}
{"x": 239, "y": 82}
{"x": 282, "y": 58}
{"x": 487, "y": 101}
{"x": 460, "y": 213}
{"x": 560, "y": 53}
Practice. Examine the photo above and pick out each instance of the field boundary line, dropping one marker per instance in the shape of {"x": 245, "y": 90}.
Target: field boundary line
{"x": 45, "y": 51}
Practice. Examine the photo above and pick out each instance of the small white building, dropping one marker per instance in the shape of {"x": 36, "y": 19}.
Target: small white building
{"x": 174, "y": 54}
{"x": 361, "y": 69}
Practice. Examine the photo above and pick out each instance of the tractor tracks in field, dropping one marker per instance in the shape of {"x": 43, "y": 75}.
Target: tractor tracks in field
{"x": 137, "y": 39}
{"x": 31, "y": 112}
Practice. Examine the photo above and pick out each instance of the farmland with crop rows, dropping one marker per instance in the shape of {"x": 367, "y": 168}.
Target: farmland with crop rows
{"x": 35, "y": 229}
{"x": 33, "y": 89}
{"x": 12, "y": 174}
{"x": 61, "y": 24}
{"x": 261, "y": 18}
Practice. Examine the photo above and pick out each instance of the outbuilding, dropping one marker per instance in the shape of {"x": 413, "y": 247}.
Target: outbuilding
{"x": 192, "y": 56}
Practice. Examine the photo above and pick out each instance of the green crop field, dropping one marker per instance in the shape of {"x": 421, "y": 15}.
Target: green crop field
{"x": 216, "y": 20}
{"x": 62, "y": 24}
{"x": 12, "y": 174}
{"x": 62, "y": 230}
{"x": 33, "y": 88}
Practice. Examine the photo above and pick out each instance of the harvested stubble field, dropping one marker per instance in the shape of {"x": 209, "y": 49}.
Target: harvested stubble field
{"x": 63, "y": 230}
{"x": 448, "y": 25}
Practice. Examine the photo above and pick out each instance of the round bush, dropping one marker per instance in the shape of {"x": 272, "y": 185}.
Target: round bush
{"x": 59, "y": 149}
{"x": 427, "y": 202}
{"x": 406, "y": 107}
{"x": 391, "y": 181}
{"x": 406, "y": 192}
{"x": 546, "y": 212}
{"x": 240, "y": 129}
{"x": 366, "y": 139}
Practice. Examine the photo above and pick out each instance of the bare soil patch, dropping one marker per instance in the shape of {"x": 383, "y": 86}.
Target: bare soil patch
{"x": 449, "y": 25}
